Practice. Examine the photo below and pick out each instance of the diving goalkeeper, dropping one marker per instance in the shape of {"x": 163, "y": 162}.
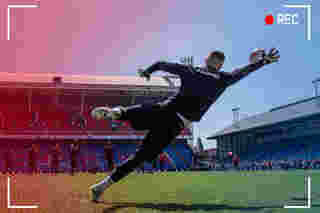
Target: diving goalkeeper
{"x": 200, "y": 88}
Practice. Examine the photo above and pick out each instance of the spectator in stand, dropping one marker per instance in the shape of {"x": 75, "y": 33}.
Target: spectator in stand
{"x": 84, "y": 163}
{"x": 317, "y": 164}
{"x": 162, "y": 161}
{"x": 33, "y": 158}
{"x": 270, "y": 165}
{"x": 9, "y": 159}
{"x": 74, "y": 152}
{"x": 264, "y": 165}
{"x": 56, "y": 156}
{"x": 35, "y": 120}
{"x": 213, "y": 162}
{"x": 304, "y": 162}
{"x": 287, "y": 165}
{"x": 300, "y": 164}
{"x": 307, "y": 164}
{"x": 236, "y": 161}
{"x": 108, "y": 156}
{"x": 281, "y": 163}
{"x": 223, "y": 166}
{"x": 253, "y": 166}
{"x": 79, "y": 121}
{"x": 163, "y": 158}
{"x": 249, "y": 164}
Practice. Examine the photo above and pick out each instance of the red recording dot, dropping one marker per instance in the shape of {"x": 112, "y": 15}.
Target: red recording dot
{"x": 269, "y": 19}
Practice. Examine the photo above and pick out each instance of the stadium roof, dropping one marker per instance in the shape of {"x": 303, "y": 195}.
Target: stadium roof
{"x": 6, "y": 77}
{"x": 287, "y": 112}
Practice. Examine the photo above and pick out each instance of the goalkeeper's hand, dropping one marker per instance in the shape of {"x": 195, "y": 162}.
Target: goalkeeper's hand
{"x": 143, "y": 74}
{"x": 272, "y": 57}
{"x": 259, "y": 55}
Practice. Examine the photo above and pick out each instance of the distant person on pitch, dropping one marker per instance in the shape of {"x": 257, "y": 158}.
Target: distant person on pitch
{"x": 200, "y": 88}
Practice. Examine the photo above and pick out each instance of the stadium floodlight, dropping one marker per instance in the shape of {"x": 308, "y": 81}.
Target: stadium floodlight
{"x": 315, "y": 84}
{"x": 235, "y": 112}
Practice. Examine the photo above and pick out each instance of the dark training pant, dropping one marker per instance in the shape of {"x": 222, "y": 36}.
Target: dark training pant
{"x": 163, "y": 125}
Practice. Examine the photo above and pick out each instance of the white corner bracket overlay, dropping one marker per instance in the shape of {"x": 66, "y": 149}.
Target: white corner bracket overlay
{"x": 308, "y": 7}
{"x": 16, "y": 206}
{"x": 307, "y": 202}
{"x": 9, "y": 14}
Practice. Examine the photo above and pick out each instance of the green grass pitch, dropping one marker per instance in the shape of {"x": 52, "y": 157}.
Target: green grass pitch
{"x": 234, "y": 192}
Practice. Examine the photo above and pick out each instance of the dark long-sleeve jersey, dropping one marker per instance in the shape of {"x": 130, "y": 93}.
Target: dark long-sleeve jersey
{"x": 199, "y": 88}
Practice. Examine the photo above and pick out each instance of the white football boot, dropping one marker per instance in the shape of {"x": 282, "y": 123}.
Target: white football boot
{"x": 95, "y": 194}
{"x": 98, "y": 189}
{"x": 106, "y": 113}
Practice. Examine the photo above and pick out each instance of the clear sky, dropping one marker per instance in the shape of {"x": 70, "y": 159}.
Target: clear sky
{"x": 116, "y": 37}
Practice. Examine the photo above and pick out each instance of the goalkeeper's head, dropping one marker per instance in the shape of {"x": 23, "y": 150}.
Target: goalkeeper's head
{"x": 215, "y": 60}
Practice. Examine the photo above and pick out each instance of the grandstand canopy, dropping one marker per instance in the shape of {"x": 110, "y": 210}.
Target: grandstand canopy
{"x": 299, "y": 109}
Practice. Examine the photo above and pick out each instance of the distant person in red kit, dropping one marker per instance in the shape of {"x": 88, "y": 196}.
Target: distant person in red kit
{"x": 236, "y": 161}
{"x": 162, "y": 161}
{"x": 164, "y": 158}
{"x": 74, "y": 152}
{"x": 33, "y": 156}
{"x": 108, "y": 156}
{"x": 9, "y": 159}
{"x": 270, "y": 165}
{"x": 56, "y": 155}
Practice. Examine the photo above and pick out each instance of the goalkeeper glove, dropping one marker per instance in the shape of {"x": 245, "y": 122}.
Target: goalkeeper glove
{"x": 272, "y": 57}
{"x": 260, "y": 55}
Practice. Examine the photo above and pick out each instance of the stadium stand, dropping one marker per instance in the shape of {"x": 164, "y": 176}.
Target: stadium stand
{"x": 47, "y": 109}
{"x": 288, "y": 132}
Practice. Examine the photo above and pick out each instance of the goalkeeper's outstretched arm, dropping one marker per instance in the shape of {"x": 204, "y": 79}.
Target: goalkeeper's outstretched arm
{"x": 257, "y": 60}
{"x": 173, "y": 68}
{"x": 239, "y": 73}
